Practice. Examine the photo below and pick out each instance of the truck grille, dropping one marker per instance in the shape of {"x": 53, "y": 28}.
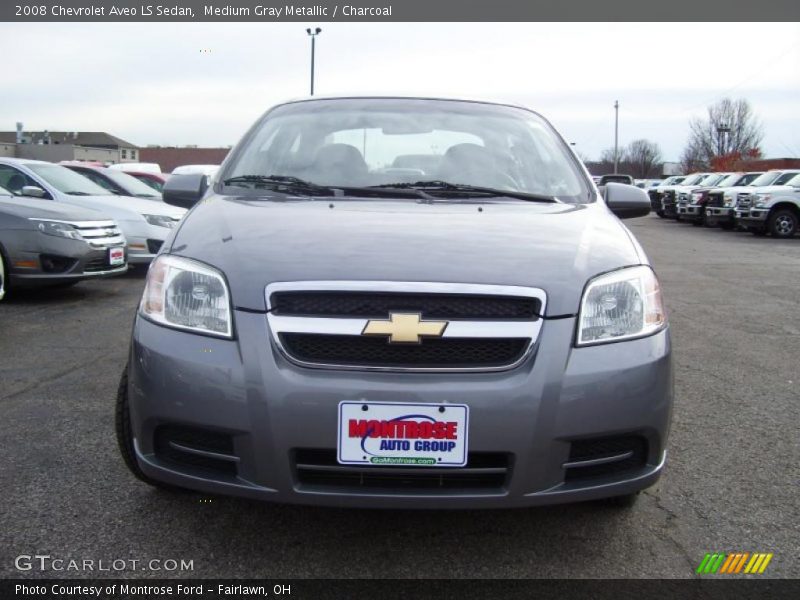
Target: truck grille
{"x": 485, "y": 327}
{"x": 318, "y": 468}
{"x": 743, "y": 201}
{"x": 715, "y": 199}
{"x": 655, "y": 200}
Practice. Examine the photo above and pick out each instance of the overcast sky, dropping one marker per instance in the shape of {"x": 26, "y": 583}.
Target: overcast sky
{"x": 151, "y": 84}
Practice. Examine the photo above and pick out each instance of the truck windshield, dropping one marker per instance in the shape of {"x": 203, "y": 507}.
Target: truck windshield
{"x": 765, "y": 178}
{"x": 374, "y": 142}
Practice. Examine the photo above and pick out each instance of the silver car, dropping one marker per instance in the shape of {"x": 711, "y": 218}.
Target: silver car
{"x": 400, "y": 303}
{"x": 45, "y": 244}
{"x": 145, "y": 223}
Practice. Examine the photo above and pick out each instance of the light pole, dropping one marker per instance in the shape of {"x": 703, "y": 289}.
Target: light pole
{"x": 313, "y": 35}
{"x": 722, "y": 129}
{"x": 616, "y": 136}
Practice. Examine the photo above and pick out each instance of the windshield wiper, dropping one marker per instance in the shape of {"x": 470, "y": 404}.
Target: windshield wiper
{"x": 281, "y": 181}
{"x": 463, "y": 188}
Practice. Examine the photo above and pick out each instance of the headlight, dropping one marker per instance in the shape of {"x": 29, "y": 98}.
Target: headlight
{"x": 696, "y": 198}
{"x": 160, "y": 220}
{"x": 59, "y": 229}
{"x": 186, "y": 294}
{"x": 621, "y": 305}
{"x": 762, "y": 200}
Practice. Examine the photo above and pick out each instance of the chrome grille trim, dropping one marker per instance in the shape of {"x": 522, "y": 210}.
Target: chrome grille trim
{"x": 96, "y": 233}
{"x": 457, "y": 328}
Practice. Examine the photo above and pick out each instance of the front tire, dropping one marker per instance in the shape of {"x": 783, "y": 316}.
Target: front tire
{"x": 783, "y": 223}
{"x": 125, "y": 436}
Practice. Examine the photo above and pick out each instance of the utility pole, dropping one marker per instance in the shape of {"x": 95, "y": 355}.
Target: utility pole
{"x": 313, "y": 35}
{"x": 722, "y": 129}
{"x": 616, "y": 136}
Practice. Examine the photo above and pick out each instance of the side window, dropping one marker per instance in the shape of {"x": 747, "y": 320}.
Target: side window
{"x": 14, "y": 180}
{"x": 99, "y": 180}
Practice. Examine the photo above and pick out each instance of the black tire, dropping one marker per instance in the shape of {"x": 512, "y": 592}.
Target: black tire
{"x": 125, "y": 437}
{"x": 782, "y": 223}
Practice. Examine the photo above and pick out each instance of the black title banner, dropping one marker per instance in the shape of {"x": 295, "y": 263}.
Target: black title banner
{"x": 397, "y": 10}
{"x": 395, "y": 589}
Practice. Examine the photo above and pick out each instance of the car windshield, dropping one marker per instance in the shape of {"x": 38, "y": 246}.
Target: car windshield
{"x": 67, "y": 181}
{"x": 374, "y": 143}
{"x": 693, "y": 179}
{"x": 794, "y": 181}
{"x": 5, "y": 192}
{"x": 765, "y": 178}
{"x": 712, "y": 179}
{"x": 748, "y": 178}
{"x": 784, "y": 178}
{"x": 130, "y": 184}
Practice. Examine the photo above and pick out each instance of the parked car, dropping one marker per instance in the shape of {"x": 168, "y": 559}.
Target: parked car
{"x": 154, "y": 180}
{"x": 695, "y": 208}
{"x": 772, "y": 209}
{"x": 139, "y": 167}
{"x": 669, "y": 194}
{"x": 685, "y": 194}
{"x": 115, "y": 181}
{"x": 319, "y": 332}
{"x": 209, "y": 170}
{"x": 46, "y": 243}
{"x": 616, "y": 178}
{"x": 145, "y": 223}
{"x": 717, "y": 200}
{"x": 656, "y": 194}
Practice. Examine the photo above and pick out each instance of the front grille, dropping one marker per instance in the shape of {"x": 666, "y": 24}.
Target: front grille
{"x": 100, "y": 233}
{"x": 173, "y": 444}
{"x": 318, "y": 468}
{"x": 378, "y": 305}
{"x": 630, "y": 452}
{"x": 655, "y": 200}
{"x": 715, "y": 199}
{"x": 743, "y": 201}
{"x": 429, "y": 353}
{"x": 153, "y": 246}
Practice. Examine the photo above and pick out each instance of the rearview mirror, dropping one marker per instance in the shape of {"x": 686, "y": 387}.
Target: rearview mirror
{"x": 626, "y": 201}
{"x": 185, "y": 190}
{"x": 34, "y": 191}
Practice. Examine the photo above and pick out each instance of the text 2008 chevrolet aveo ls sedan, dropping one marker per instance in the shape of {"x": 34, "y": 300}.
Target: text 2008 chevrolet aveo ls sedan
{"x": 399, "y": 302}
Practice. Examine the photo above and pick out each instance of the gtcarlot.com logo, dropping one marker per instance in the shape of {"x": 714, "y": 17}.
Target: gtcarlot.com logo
{"x": 46, "y": 562}
{"x": 734, "y": 563}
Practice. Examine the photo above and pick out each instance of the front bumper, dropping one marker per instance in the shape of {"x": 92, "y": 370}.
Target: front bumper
{"x": 40, "y": 261}
{"x": 719, "y": 215}
{"x": 752, "y": 217}
{"x": 690, "y": 212}
{"x": 271, "y": 408}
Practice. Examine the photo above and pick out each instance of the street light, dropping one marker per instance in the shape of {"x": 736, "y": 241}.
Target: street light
{"x": 313, "y": 35}
{"x": 722, "y": 129}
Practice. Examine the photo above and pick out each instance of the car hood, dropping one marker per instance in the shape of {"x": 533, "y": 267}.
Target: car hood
{"x": 125, "y": 208}
{"x": 31, "y": 208}
{"x": 556, "y": 247}
{"x": 772, "y": 189}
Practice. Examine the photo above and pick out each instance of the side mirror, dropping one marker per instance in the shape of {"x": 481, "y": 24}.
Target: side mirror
{"x": 626, "y": 201}
{"x": 34, "y": 191}
{"x": 185, "y": 190}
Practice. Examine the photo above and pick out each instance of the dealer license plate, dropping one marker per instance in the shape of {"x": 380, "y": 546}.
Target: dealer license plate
{"x": 116, "y": 256}
{"x": 400, "y": 434}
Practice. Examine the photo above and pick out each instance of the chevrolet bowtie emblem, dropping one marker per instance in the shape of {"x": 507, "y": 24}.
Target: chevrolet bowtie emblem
{"x": 405, "y": 328}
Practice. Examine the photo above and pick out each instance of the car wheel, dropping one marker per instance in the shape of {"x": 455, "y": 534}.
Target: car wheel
{"x": 783, "y": 224}
{"x": 125, "y": 436}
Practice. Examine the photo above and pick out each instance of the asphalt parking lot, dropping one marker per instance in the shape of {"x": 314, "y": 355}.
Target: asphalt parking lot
{"x": 731, "y": 481}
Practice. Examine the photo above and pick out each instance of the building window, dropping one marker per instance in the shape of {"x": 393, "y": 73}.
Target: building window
{"x": 133, "y": 154}
{"x": 124, "y": 153}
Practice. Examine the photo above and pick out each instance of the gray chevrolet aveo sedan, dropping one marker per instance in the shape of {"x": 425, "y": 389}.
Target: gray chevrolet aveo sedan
{"x": 400, "y": 303}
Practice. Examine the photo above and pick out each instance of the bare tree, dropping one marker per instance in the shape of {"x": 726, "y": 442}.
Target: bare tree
{"x": 642, "y": 159}
{"x": 731, "y": 127}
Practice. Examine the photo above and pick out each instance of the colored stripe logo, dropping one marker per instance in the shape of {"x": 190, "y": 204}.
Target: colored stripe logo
{"x": 734, "y": 563}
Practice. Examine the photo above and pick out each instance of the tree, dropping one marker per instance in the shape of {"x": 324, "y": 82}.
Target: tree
{"x": 642, "y": 159}
{"x": 731, "y": 127}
